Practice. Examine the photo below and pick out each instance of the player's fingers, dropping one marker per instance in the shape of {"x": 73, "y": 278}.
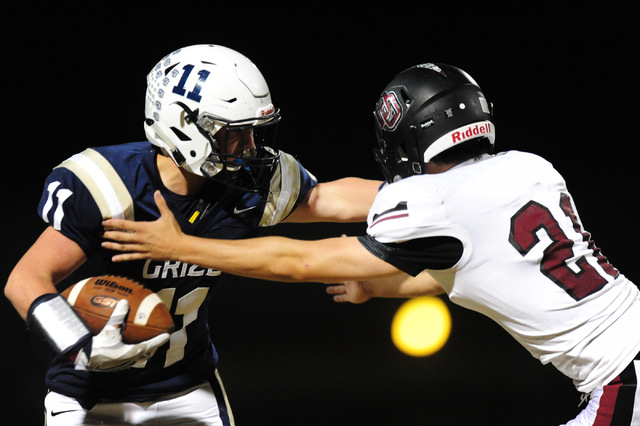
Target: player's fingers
{"x": 336, "y": 289}
{"x": 125, "y": 257}
{"x": 161, "y": 203}
{"x": 119, "y": 240}
{"x": 118, "y": 235}
{"x": 119, "y": 314}
{"x": 156, "y": 341}
{"x": 118, "y": 224}
{"x": 339, "y": 293}
{"x": 119, "y": 246}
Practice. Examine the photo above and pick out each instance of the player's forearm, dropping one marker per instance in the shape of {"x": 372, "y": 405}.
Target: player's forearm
{"x": 271, "y": 258}
{"x": 403, "y": 286}
{"x": 23, "y": 287}
{"x": 51, "y": 258}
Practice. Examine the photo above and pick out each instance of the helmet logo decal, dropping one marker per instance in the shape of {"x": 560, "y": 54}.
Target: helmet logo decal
{"x": 388, "y": 111}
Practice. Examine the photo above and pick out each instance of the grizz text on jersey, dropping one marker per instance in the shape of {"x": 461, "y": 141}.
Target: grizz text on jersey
{"x": 169, "y": 269}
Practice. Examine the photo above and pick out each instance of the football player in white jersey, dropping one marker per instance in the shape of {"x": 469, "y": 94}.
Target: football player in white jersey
{"x": 207, "y": 118}
{"x": 498, "y": 233}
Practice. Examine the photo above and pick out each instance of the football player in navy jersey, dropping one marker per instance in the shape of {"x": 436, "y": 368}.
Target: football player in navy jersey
{"x": 498, "y": 233}
{"x": 209, "y": 120}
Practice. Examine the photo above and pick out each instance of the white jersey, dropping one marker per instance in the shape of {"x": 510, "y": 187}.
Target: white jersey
{"x": 526, "y": 261}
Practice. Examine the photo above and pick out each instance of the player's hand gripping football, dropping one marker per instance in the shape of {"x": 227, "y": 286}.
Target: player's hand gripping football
{"x": 143, "y": 240}
{"x": 107, "y": 352}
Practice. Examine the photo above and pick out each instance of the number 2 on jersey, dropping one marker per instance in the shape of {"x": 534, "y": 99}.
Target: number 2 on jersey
{"x": 554, "y": 265}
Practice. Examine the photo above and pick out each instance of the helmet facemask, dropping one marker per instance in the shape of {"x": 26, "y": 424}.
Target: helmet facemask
{"x": 241, "y": 154}
{"x": 397, "y": 160}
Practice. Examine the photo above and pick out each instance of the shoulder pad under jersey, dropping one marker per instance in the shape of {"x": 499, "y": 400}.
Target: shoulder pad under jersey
{"x": 103, "y": 182}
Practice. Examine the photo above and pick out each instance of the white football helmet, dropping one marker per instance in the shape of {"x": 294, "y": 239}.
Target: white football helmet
{"x": 194, "y": 92}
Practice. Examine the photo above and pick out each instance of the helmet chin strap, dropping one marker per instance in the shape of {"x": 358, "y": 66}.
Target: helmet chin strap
{"x": 175, "y": 152}
{"x": 191, "y": 116}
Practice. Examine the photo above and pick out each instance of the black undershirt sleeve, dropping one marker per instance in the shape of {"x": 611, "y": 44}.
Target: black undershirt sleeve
{"x": 416, "y": 255}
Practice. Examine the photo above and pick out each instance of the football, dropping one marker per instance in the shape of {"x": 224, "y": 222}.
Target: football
{"x": 95, "y": 298}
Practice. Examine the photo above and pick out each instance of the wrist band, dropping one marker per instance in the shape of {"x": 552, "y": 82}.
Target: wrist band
{"x": 51, "y": 316}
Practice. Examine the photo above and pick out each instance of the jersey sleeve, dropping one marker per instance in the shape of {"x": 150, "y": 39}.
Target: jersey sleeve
{"x": 414, "y": 256}
{"x": 80, "y": 193}
{"x": 290, "y": 185}
{"x": 408, "y": 228}
{"x": 67, "y": 205}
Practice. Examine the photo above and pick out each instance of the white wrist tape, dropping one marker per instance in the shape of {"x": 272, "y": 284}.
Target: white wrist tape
{"x": 54, "y": 319}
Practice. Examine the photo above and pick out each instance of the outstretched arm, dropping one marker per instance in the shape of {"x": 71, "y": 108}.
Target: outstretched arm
{"x": 401, "y": 285}
{"x": 274, "y": 258}
{"x": 343, "y": 200}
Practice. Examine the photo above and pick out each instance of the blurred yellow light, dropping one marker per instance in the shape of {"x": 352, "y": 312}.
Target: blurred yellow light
{"x": 421, "y": 326}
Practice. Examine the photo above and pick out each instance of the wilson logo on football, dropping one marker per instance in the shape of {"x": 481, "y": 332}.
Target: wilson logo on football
{"x": 388, "y": 111}
{"x": 104, "y": 301}
{"x": 113, "y": 285}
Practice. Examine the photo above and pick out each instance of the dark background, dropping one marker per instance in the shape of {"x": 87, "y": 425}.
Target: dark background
{"x": 564, "y": 85}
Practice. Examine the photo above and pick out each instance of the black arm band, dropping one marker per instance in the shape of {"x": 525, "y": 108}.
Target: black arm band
{"x": 51, "y": 317}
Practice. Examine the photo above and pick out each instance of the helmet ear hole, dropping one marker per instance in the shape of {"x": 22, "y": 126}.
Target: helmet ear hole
{"x": 181, "y": 136}
{"x": 402, "y": 154}
{"x": 406, "y": 98}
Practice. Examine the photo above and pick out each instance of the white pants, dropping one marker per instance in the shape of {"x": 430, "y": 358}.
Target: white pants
{"x": 195, "y": 406}
{"x": 617, "y": 403}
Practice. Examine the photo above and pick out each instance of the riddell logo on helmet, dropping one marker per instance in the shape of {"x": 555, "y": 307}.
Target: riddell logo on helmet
{"x": 267, "y": 111}
{"x": 472, "y": 131}
{"x": 388, "y": 111}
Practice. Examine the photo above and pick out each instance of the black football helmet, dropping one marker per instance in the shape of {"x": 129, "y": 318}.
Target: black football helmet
{"x": 425, "y": 110}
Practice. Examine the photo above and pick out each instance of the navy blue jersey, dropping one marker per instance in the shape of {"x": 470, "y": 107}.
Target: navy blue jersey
{"x": 119, "y": 181}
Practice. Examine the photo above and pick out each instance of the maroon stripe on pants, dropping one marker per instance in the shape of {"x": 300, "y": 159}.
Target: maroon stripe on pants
{"x": 608, "y": 403}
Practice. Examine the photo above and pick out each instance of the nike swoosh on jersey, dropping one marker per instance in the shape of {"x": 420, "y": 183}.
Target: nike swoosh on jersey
{"x": 239, "y": 211}
{"x": 55, "y": 413}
